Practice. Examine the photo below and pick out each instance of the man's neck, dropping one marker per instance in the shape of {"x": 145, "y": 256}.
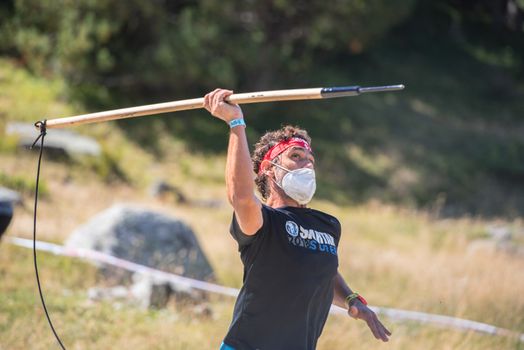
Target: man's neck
{"x": 279, "y": 201}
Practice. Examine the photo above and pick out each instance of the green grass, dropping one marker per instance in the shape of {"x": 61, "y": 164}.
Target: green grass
{"x": 396, "y": 257}
{"x": 22, "y": 183}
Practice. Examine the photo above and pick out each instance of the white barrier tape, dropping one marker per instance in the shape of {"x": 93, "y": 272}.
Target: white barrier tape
{"x": 438, "y": 320}
{"x": 396, "y": 314}
{"x": 93, "y": 255}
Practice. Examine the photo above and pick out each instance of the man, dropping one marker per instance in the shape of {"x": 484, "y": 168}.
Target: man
{"x": 289, "y": 251}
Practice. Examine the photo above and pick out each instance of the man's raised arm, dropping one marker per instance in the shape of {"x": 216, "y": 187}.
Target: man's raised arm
{"x": 239, "y": 174}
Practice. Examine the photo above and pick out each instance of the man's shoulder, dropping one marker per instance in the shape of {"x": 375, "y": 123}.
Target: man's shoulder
{"x": 305, "y": 212}
{"x": 328, "y": 217}
{"x": 320, "y": 212}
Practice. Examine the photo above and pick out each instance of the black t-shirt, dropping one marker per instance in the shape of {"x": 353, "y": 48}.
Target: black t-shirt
{"x": 289, "y": 265}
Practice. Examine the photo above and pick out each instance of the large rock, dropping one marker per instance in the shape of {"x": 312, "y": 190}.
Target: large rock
{"x": 59, "y": 141}
{"x": 10, "y": 196}
{"x": 148, "y": 238}
{"x": 144, "y": 237}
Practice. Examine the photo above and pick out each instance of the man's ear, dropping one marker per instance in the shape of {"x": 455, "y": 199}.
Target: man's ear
{"x": 265, "y": 166}
{"x": 270, "y": 171}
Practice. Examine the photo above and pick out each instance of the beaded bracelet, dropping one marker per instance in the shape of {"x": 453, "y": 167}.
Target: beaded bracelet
{"x": 350, "y": 298}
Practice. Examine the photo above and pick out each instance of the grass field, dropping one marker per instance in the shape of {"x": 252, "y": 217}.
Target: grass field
{"x": 396, "y": 257}
{"x": 450, "y": 143}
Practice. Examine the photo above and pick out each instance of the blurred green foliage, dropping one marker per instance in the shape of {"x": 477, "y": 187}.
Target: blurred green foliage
{"x": 146, "y": 50}
{"x": 452, "y": 139}
{"x": 108, "y": 166}
{"x": 23, "y": 184}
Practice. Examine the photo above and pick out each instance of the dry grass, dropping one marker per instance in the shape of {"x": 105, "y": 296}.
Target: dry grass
{"x": 396, "y": 257}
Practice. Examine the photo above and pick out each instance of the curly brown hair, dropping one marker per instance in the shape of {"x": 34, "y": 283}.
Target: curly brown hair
{"x": 268, "y": 140}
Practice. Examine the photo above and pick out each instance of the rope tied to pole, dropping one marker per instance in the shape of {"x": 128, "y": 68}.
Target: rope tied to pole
{"x": 41, "y": 125}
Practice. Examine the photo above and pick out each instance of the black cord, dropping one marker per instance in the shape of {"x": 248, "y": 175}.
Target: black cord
{"x": 42, "y": 126}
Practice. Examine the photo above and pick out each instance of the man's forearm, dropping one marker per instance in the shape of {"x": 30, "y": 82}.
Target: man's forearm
{"x": 239, "y": 179}
{"x": 341, "y": 291}
{"x": 240, "y": 184}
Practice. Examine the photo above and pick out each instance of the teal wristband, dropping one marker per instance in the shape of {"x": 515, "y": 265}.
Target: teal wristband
{"x": 237, "y": 122}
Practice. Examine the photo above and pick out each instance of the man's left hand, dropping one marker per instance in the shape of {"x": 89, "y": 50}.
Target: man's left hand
{"x": 360, "y": 311}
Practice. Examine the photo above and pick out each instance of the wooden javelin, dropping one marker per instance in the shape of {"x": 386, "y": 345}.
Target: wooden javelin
{"x": 250, "y": 97}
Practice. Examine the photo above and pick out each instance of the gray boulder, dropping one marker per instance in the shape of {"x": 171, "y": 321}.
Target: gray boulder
{"x": 7, "y": 195}
{"x": 59, "y": 141}
{"x": 144, "y": 237}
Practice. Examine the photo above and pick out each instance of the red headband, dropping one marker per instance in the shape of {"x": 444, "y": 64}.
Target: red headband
{"x": 281, "y": 147}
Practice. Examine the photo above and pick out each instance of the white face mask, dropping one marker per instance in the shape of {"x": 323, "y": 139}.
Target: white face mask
{"x": 299, "y": 184}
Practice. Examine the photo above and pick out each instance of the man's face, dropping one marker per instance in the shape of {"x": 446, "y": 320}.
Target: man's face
{"x": 296, "y": 158}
